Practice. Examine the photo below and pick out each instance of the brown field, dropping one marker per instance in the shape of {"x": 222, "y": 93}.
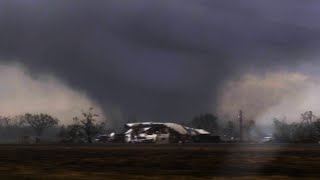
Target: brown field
{"x": 215, "y": 161}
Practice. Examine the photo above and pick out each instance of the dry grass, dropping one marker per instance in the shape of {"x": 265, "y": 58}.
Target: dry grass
{"x": 217, "y": 161}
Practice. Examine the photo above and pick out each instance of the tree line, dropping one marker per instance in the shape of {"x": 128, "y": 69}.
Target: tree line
{"x": 304, "y": 130}
{"x": 86, "y": 127}
{"x": 83, "y": 129}
{"x": 296, "y": 132}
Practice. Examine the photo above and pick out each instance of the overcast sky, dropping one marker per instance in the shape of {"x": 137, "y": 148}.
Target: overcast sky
{"x": 162, "y": 60}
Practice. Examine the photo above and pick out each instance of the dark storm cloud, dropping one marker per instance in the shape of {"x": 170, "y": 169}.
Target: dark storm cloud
{"x": 159, "y": 60}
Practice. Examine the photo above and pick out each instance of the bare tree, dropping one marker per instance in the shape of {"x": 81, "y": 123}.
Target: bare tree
{"x": 4, "y": 121}
{"x": 39, "y": 122}
{"x": 87, "y": 123}
{"x": 71, "y": 134}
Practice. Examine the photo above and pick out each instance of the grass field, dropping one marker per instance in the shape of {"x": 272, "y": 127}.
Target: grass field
{"x": 215, "y": 161}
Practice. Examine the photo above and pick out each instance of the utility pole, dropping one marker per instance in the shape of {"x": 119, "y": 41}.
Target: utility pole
{"x": 240, "y": 125}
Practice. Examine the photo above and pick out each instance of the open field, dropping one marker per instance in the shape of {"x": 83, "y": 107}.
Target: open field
{"x": 213, "y": 161}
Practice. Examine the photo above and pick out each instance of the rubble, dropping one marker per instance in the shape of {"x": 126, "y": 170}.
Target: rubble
{"x": 164, "y": 133}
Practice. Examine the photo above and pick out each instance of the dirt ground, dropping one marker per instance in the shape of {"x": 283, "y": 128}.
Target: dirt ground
{"x": 214, "y": 161}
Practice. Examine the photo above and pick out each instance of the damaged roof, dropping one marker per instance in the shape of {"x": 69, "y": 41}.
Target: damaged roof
{"x": 177, "y": 127}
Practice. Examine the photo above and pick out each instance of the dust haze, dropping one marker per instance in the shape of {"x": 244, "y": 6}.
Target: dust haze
{"x": 265, "y": 96}
{"x": 21, "y": 93}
